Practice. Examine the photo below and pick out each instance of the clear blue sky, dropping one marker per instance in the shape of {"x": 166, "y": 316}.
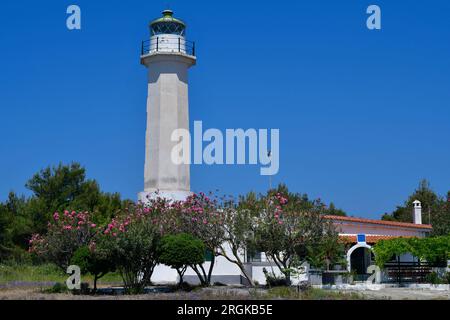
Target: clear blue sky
{"x": 363, "y": 115}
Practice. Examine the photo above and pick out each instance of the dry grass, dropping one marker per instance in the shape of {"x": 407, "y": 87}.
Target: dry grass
{"x": 216, "y": 293}
{"x": 37, "y": 294}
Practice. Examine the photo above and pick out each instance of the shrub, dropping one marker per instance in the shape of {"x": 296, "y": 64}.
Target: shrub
{"x": 93, "y": 260}
{"x": 84, "y": 289}
{"x": 181, "y": 251}
{"x": 57, "y": 288}
{"x": 17, "y": 255}
{"x": 186, "y": 287}
{"x": 434, "y": 278}
{"x": 273, "y": 280}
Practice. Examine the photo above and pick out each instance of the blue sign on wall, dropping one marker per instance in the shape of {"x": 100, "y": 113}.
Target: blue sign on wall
{"x": 361, "y": 238}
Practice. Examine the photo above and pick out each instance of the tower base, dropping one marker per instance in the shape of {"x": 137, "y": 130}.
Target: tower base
{"x": 173, "y": 195}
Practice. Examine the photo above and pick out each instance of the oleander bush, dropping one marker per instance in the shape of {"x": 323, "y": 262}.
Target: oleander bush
{"x": 132, "y": 240}
{"x": 66, "y": 233}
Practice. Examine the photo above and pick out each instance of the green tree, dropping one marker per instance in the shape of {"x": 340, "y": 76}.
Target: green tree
{"x": 93, "y": 260}
{"x": 431, "y": 205}
{"x": 15, "y": 227}
{"x": 58, "y": 187}
{"x": 55, "y": 189}
{"x": 65, "y": 187}
{"x": 441, "y": 221}
{"x": 327, "y": 250}
{"x": 333, "y": 211}
{"x": 182, "y": 251}
{"x": 5, "y": 243}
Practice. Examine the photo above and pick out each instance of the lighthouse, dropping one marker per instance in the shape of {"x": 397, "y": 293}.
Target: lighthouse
{"x": 167, "y": 55}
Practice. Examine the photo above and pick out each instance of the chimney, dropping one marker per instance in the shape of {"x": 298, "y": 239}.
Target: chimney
{"x": 417, "y": 213}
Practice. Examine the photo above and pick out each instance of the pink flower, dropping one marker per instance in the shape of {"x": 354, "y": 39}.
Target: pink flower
{"x": 93, "y": 225}
{"x": 56, "y": 216}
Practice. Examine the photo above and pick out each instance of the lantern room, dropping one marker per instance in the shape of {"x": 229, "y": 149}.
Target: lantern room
{"x": 167, "y": 35}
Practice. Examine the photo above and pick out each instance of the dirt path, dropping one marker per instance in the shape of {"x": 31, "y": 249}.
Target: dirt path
{"x": 406, "y": 294}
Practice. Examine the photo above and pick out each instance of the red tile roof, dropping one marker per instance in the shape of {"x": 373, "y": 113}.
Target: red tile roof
{"x": 381, "y": 222}
{"x": 369, "y": 238}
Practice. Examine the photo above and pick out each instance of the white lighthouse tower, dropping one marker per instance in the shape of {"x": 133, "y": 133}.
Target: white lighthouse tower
{"x": 167, "y": 56}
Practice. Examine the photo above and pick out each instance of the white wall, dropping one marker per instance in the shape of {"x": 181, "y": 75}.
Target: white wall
{"x": 167, "y": 111}
{"x": 222, "y": 267}
{"x": 376, "y": 229}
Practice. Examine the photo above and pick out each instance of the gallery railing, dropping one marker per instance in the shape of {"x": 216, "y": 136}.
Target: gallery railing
{"x": 168, "y": 44}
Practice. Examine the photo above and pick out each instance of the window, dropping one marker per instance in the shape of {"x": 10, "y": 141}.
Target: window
{"x": 168, "y": 28}
{"x": 208, "y": 255}
{"x": 361, "y": 238}
{"x": 254, "y": 256}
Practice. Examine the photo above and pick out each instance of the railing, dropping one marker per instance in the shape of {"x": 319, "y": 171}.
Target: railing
{"x": 401, "y": 272}
{"x": 166, "y": 44}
